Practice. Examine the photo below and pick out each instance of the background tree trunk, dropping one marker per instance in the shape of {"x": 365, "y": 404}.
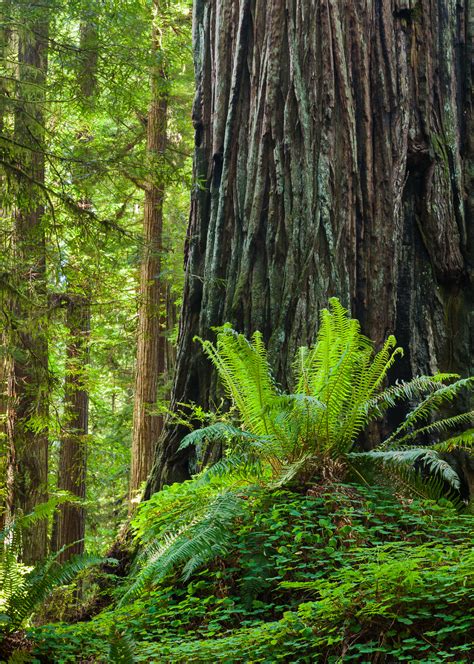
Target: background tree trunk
{"x": 70, "y": 523}
{"x": 89, "y": 38}
{"x": 5, "y": 38}
{"x": 27, "y": 459}
{"x": 150, "y": 365}
{"x": 334, "y": 150}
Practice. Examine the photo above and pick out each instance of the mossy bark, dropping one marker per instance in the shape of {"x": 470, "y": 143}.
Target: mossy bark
{"x": 333, "y": 156}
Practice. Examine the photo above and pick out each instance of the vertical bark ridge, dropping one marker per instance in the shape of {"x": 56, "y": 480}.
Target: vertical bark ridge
{"x": 27, "y": 391}
{"x": 69, "y": 526}
{"x": 347, "y": 176}
{"x": 150, "y": 363}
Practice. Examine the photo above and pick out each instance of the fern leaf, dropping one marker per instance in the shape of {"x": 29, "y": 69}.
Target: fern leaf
{"x": 439, "y": 426}
{"x": 121, "y": 649}
{"x": 463, "y": 440}
{"x": 42, "y": 580}
{"x": 215, "y": 433}
{"x": 429, "y": 405}
{"x": 409, "y": 457}
{"x": 198, "y": 541}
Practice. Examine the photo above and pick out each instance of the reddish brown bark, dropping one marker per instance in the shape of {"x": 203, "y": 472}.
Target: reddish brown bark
{"x": 150, "y": 364}
{"x": 27, "y": 457}
{"x": 334, "y": 157}
{"x": 70, "y": 521}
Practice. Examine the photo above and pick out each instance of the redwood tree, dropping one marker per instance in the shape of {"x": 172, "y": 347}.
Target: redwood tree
{"x": 333, "y": 156}
{"x": 69, "y": 526}
{"x": 150, "y": 364}
{"x": 27, "y": 393}
{"x": 69, "y": 522}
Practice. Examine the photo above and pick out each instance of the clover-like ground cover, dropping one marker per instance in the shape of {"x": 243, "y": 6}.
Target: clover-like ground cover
{"x": 337, "y": 573}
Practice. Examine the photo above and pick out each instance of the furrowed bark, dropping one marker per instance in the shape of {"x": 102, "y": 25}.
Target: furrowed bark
{"x": 333, "y": 156}
{"x": 27, "y": 457}
{"x": 150, "y": 364}
{"x": 70, "y": 521}
{"x": 5, "y": 217}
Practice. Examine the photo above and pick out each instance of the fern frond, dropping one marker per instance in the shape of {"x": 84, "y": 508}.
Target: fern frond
{"x": 41, "y": 511}
{"x": 246, "y": 375}
{"x": 216, "y": 433}
{"x": 408, "y": 457}
{"x": 405, "y": 391}
{"x": 41, "y": 581}
{"x": 339, "y": 391}
{"x": 429, "y": 405}
{"x": 241, "y": 465}
{"x": 381, "y": 364}
{"x": 290, "y": 471}
{"x": 439, "y": 426}
{"x": 195, "y": 543}
{"x": 464, "y": 440}
{"x": 122, "y": 647}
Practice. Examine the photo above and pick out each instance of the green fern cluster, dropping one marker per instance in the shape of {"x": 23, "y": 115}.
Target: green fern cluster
{"x": 192, "y": 523}
{"x": 23, "y": 589}
{"x": 311, "y": 433}
{"x": 339, "y": 392}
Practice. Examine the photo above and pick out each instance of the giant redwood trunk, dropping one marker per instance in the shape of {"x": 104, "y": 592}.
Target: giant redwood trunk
{"x": 334, "y": 156}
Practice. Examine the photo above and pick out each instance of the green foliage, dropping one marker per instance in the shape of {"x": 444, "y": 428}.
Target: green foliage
{"x": 343, "y": 571}
{"x": 26, "y": 593}
{"x": 23, "y": 589}
{"x": 121, "y": 648}
{"x": 339, "y": 392}
{"x": 404, "y": 604}
{"x": 203, "y": 536}
{"x": 308, "y": 435}
{"x": 96, "y": 172}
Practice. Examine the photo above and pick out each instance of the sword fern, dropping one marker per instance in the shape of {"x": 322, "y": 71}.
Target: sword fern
{"x": 279, "y": 438}
{"x": 339, "y": 391}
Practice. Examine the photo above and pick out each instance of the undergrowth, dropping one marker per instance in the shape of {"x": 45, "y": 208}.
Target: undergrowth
{"x": 342, "y": 573}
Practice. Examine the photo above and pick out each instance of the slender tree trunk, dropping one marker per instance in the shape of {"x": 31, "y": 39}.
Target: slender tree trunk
{"x": 69, "y": 522}
{"x": 150, "y": 365}
{"x": 89, "y": 36}
{"x": 27, "y": 462}
{"x": 5, "y": 249}
{"x": 334, "y": 153}
{"x": 3, "y": 429}
{"x": 70, "y": 525}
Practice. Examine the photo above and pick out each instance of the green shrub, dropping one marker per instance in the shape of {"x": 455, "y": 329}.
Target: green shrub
{"x": 243, "y": 604}
{"x": 338, "y": 392}
{"x": 23, "y": 589}
{"x": 309, "y": 435}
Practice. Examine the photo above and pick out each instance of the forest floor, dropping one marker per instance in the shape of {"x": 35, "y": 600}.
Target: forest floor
{"x": 329, "y": 574}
